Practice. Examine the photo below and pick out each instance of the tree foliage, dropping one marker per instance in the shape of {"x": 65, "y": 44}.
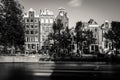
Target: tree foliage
{"x": 61, "y": 38}
{"x": 83, "y": 37}
{"x": 79, "y": 37}
{"x": 114, "y": 34}
{"x": 12, "y": 28}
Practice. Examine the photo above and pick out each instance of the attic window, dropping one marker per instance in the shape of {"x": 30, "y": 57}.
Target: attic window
{"x": 31, "y": 15}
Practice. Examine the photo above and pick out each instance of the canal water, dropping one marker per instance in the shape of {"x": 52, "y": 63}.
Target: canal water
{"x": 20, "y": 71}
{"x": 58, "y": 71}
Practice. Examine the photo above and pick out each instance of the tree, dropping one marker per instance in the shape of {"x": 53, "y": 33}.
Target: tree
{"x": 83, "y": 37}
{"x": 59, "y": 27}
{"x": 88, "y": 40}
{"x": 62, "y": 39}
{"x": 12, "y": 30}
{"x": 1, "y": 22}
{"x": 114, "y": 34}
{"x": 65, "y": 41}
{"x": 56, "y": 36}
{"x": 79, "y": 37}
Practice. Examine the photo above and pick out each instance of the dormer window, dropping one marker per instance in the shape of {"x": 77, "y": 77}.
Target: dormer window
{"x": 106, "y": 25}
{"x": 31, "y": 15}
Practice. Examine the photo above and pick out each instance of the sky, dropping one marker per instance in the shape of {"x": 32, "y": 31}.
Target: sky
{"x": 79, "y": 10}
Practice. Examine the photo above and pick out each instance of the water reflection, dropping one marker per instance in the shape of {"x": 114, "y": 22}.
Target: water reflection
{"x": 19, "y": 73}
{"x": 60, "y": 71}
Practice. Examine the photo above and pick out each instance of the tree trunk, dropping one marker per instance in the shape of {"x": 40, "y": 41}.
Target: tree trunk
{"x": 77, "y": 46}
{"x": 59, "y": 45}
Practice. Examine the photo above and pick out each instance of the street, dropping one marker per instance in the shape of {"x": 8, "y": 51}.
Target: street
{"x": 61, "y": 70}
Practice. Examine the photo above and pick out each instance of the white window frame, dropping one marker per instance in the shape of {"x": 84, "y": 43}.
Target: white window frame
{"x": 42, "y": 21}
{"x": 46, "y": 20}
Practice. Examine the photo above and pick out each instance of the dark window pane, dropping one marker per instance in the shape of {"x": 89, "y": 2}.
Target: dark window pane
{"x": 27, "y": 26}
{"x": 31, "y": 32}
{"x": 31, "y": 26}
{"x": 92, "y": 47}
{"x": 27, "y": 20}
{"x": 27, "y": 32}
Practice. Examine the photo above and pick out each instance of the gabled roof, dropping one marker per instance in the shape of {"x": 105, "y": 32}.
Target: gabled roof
{"x": 92, "y": 22}
{"x": 30, "y": 10}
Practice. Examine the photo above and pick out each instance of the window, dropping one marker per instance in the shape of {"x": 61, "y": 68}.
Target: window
{"x": 96, "y": 48}
{"x": 42, "y": 20}
{"x": 32, "y": 32}
{"x": 27, "y": 32}
{"x": 37, "y": 46}
{"x": 47, "y": 47}
{"x": 31, "y": 14}
{"x": 32, "y": 39}
{"x": 28, "y": 46}
{"x": 110, "y": 45}
{"x": 46, "y": 21}
{"x": 47, "y": 29}
{"x": 27, "y": 52}
{"x": 36, "y": 26}
{"x": 43, "y": 38}
{"x": 36, "y": 39}
{"x": 92, "y": 47}
{"x": 106, "y": 25}
{"x": 43, "y": 28}
{"x": 31, "y": 20}
{"x": 106, "y": 44}
{"x": 27, "y": 39}
{"x": 95, "y": 36}
{"x": 31, "y": 26}
{"x": 33, "y": 46}
{"x": 36, "y": 20}
{"x": 27, "y": 20}
{"x": 36, "y": 32}
{"x": 51, "y": 20}
{"x": 27, "y": 26}
{"x": 95, "y": 30}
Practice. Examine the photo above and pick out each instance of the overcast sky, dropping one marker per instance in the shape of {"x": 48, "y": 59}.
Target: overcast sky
{"x": 77, "y": 10}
